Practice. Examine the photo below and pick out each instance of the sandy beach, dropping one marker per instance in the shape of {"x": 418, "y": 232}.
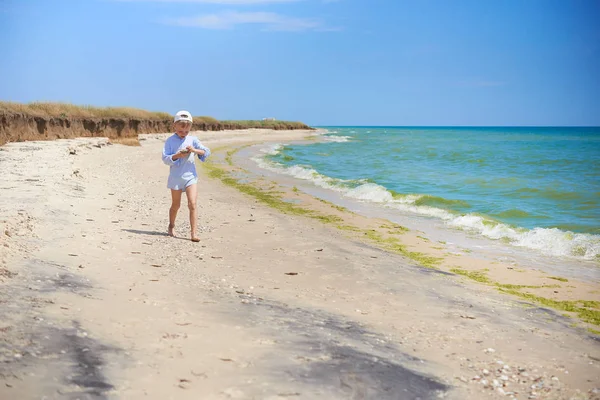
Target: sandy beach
{"x": 285, "y": 298}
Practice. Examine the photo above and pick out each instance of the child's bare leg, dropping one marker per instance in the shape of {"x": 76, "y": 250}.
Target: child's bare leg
{"x": 175, "y": 203}
{"x": 191, "y": 192}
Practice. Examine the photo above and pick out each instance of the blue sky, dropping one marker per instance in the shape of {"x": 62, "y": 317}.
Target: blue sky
{"x": 324, "y": 62}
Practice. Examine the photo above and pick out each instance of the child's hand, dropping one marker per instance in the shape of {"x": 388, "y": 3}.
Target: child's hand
{"x": 189, "y": 149}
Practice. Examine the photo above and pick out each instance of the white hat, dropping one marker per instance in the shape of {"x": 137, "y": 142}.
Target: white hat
{"x": 183, "y": 116}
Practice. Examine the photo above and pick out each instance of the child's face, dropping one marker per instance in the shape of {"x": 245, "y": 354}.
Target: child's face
{"x": 182, "y": 128}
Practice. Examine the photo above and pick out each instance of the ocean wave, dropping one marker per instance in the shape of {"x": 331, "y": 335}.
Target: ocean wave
{"x": 336, "y": 139}
{"x": 273, "y": 149}
{"x": 516, "y": 213}
{"x": 428, "y": 200}
{"x": 370, "y": 192}
{"x": 550, "y": 241}
{"x": 547, "y": 193}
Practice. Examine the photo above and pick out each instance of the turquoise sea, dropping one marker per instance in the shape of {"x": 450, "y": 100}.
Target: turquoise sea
{"x": 535, "y": 188}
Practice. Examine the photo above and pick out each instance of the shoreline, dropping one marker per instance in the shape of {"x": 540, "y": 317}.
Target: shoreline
{"x": 268, "y": 305}
{"x": 546, "y": 222}
{"x": 574, "y": 297}
{"x": 434, "y": 227}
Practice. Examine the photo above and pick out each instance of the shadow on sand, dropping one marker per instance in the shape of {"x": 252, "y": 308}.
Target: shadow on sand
{"x": 152, "y": 233}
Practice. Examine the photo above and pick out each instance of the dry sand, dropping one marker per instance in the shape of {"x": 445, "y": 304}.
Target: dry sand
{"x": 96, "y": 302}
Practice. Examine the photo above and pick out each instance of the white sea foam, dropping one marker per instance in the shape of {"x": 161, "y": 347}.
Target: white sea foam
{"x": 557, "y": 242}
{"x": 408, "y": 199}
{"x": 427, "y": 211}
{"x": 337, "y": 139}
{"x": 370, "y": 192}
{"x": 272, "y": 149}
{"x": 548, "y": 241}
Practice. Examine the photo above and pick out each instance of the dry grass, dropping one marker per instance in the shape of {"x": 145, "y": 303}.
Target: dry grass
{"x": 205, "y": 120}
{"x": 127, "y": 141}
{"x": 260, "y": 124}
{"x": 65, "y": 110}
{"x": 71, "y": 111}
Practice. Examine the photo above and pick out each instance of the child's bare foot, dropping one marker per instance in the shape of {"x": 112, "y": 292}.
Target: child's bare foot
{"x": 172, "y": 230}
{"x": 194, "y": 237}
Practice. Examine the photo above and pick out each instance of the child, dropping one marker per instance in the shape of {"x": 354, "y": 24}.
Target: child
{"x": 178, "y": 153}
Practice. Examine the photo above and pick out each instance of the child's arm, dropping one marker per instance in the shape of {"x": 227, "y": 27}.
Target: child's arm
{"x": 202, "y": 151}
{"x": 169, "y": 157}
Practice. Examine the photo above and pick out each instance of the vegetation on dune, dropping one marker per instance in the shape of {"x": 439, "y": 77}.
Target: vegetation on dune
{"x": 66, "y": 110}
{"x": 71, "y": 111}
{"x": 276, "y": 125}
{"x": 205, "y": 120}
{"x": 49, "y": 120}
